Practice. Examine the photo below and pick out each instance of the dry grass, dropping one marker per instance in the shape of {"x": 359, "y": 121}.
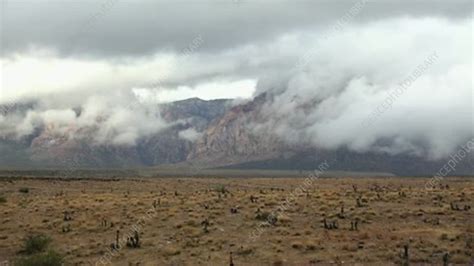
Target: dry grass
{"x": 194, "y": 224}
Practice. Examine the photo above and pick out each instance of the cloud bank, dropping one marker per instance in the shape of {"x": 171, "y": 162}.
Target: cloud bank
{"x": 100, "y": 120}
{"x": 327, "y": 101}
{"x": 324, "y": 84}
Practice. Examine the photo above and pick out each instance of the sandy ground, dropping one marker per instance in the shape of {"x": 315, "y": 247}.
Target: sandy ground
{"x": 261, "y": 221}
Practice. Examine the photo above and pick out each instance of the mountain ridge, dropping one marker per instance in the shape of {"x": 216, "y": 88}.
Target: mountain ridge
{"x": 223, "y": 135}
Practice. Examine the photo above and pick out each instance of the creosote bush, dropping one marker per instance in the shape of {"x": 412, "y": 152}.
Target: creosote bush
{"x": 221, "y": 189}
{"x": 35, "y": 248}
{"x": 50, "y": 258}
{"x": 24, "y": 190}
{"x": 3, "y": 199}
{"x": 36, "y": 243}
{"x": 267, "y": 217}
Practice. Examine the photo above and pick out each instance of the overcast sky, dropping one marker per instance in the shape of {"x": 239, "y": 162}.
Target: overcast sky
{"x": 142, "y": 38}
{"x": 136, "y": 28}
{"x": 339, "y": 59}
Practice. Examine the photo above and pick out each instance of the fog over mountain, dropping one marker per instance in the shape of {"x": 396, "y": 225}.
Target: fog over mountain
{"x": 368, "y": 77}
{"x": 352, "y": 75}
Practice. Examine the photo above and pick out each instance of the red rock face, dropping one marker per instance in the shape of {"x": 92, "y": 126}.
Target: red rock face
{"x": 51, "y": 147}
{"x": 230, "y": 136}
{"x": 78, "y": 147}
{"x": 233, "y": 139}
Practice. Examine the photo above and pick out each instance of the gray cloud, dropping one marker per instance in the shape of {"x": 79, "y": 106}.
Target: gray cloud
{"x": 130, "y": 45}
{"x": 140, "y": 28}
{"x": 100, "y": 119}
{"x": 327, "y": 101}
{"x": 190, "y": 134}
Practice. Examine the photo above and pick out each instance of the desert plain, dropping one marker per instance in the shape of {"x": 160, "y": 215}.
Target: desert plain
{"x": 241, "y": 221}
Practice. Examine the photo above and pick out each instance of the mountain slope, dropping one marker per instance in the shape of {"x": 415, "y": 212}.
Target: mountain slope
{"x": 233, "y": 142}
{"x": 230, "y": 139}
{"x": 207, "y": 133}
{"x": 48, "y": 148}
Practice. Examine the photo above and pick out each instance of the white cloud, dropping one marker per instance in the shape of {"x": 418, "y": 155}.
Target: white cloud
{"x": 322, "y": 103}
{"x": 326, "y": 101}
{"x": 206, "y": 91}
{"x": 190, "y": 134}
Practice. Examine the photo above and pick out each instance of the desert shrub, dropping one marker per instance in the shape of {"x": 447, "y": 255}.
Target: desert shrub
{"x": 267, "y": 217}
{"x": 50, "y": 258}
{"x": 221, "y": 189}
{"x": 444, "y": 236}
{"x": 24, "y": 190}
{"x": 3, "y": 199}
{"x": 36, "y": 243}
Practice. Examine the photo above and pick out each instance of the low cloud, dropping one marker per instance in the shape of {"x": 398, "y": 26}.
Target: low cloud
{"x": 190, "y": 134}
{"x": 323, "y": 102}
{"x": 326, "y": 101}
{"x": 100, "y": 120}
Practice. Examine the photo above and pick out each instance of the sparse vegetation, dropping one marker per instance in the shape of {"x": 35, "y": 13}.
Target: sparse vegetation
{"x": 67, "y": 216}
{"x": 221, "y": 189}
{"x": 36, "y": 243}
{"x": 66, "y": 228}
{"x": 193, "y": 222}
{"x": 134, "y": 241}
{"x": 116, "y": 244}
{"x": 3, "y": 199}
{"x": 24, "y": 190}
{"x": 36, "y": 249}
{"x": 49, "y": 258}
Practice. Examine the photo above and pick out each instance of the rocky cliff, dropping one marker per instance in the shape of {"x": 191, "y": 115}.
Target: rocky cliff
{"x": 211, "y": 133}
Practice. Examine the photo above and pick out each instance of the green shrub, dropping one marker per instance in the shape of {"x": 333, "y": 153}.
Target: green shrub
{"x": 3, "y": 199}
{"x": 50, "y": 258}
{"x": 24, "y": 190}
{"x": 36, "y": 243}
{"x": 267, "y": 217}
{"x": 221, "y": 189}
